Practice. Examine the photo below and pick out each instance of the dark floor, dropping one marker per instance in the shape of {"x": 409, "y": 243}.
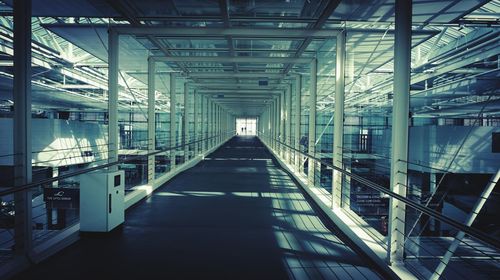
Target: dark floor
{"x": 236, "y": 215}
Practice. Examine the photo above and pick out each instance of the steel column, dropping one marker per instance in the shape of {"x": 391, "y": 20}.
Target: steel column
{"x": 173, "y": 120}
{"x": 298, "y": 101}
{"x": 312, "y": 122}
{"x": 113, "y": 97}
{"x": 195, "y": 122}
{"x": 186, "y": 122}
{"x": 22, "y": 125}
{"x": 282, "y": 137}
{"x": 288, "y": 124}
{"x": 151, "y": 119}
{"x": 338, "y": 120}
{"x": 400, "y": 115}
{"x": 209, "y": 123}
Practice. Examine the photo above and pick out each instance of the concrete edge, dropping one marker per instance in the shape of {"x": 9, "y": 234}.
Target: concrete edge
{"x": 143, "y": 191}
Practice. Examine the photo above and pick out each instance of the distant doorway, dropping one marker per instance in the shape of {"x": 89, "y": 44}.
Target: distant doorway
{"x": 246, "y": 126}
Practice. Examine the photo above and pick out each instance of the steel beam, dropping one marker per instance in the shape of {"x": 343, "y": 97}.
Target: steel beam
{"x": 237, "y": 59}
{"x": 483, "y": 198}
{"x": 235, "y": 32}
{"x": 242, "y": 91}
{"x": 227, "y": 75}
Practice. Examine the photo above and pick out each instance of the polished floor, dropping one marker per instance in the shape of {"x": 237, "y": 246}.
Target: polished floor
{"x": 236, "y": 215}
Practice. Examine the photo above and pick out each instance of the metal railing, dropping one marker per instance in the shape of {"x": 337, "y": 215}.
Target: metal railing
{"x": 475, "y": 244}
{"x": 42, "y": 216}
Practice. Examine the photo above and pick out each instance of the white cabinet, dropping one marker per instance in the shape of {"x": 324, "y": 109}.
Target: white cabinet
{"x": 102, "y": 200}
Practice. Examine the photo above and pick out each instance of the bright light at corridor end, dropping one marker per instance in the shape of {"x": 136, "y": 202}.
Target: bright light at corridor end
{"x": 246, "y": 126}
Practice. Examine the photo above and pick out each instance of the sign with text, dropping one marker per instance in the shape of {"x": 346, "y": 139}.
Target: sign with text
{"x": 65, "y": 198}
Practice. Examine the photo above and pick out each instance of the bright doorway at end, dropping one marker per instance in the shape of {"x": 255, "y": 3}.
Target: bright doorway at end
{"x": 246, "y": 126}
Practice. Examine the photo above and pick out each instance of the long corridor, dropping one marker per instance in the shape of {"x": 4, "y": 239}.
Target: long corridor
{"x": 236, "y": 215}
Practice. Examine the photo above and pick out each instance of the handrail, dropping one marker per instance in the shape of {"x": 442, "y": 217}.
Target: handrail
{"x": 430, "y": 212}
{"x": 15, "y": 189}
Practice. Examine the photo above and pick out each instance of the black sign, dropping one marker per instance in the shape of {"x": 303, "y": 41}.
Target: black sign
{"x": 65, "y": 198}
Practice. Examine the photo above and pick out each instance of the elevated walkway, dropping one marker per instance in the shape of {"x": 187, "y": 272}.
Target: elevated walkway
{"x": 236, "y": 215}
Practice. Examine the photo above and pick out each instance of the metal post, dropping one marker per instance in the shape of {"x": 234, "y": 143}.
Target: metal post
{"x": 282, "y": 122}
{"x": 400, "y": 113}
{"x": 202, "y": 123}
{"x": 278, "y": 123}
{"x": 312, "y": 122}
{"x": 186, "y": 122}
{"x": 298, "y": 101}
{"x": 113, "y": 97}
{"x": 338, "y": 120}
{"x": 209, "y": 123}
{"x": 275, "y": 126}
{"x": 173, "y": 125}
{"x": 271, "y": 124}
{"x": 288, "y": 127}
{"x": 151, "y": 119}
{"x": 22, "y": 125}
{"x": 217, "y": 124}
{"x": 195, "y": 122}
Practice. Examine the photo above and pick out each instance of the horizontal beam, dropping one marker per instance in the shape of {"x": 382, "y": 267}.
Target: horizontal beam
{"x": 219, "y": 75}
{"x": 237, "y": 59}
{"x": 243, "y": 98}
{"x": 242, "y": 91}
{"x": 235, "y": 84}
{"x": 241, "y": 87}
{"x": 237, "y": 32}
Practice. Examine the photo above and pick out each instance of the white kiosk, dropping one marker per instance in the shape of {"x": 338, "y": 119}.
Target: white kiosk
{"x": 102, "y": 196}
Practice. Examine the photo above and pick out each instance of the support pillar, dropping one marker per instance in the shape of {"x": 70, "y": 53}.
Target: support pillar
{"x": 312, "y": 122}
{"x": 173, "y": 122}
{"x": 338, "y": 121}
{"x": 288, "y": 124}
{"x": 113, "y": 98}
{"x": 400, "y": 116}
{"x": 282, "y": 123}
{"x": 186, "y": 122}
{"x": 195, "y": 122}
{"x": 278, "y": 122}
{"x": 202, "y": 123}
{"x": 151, "y": 119}
{"x": 209, "y": 123}
{"x": 298, "y": 101}
{"x": 22, "y": 125}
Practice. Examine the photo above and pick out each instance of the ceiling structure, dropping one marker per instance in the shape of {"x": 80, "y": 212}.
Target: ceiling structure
{"x": 243, "y": 53}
